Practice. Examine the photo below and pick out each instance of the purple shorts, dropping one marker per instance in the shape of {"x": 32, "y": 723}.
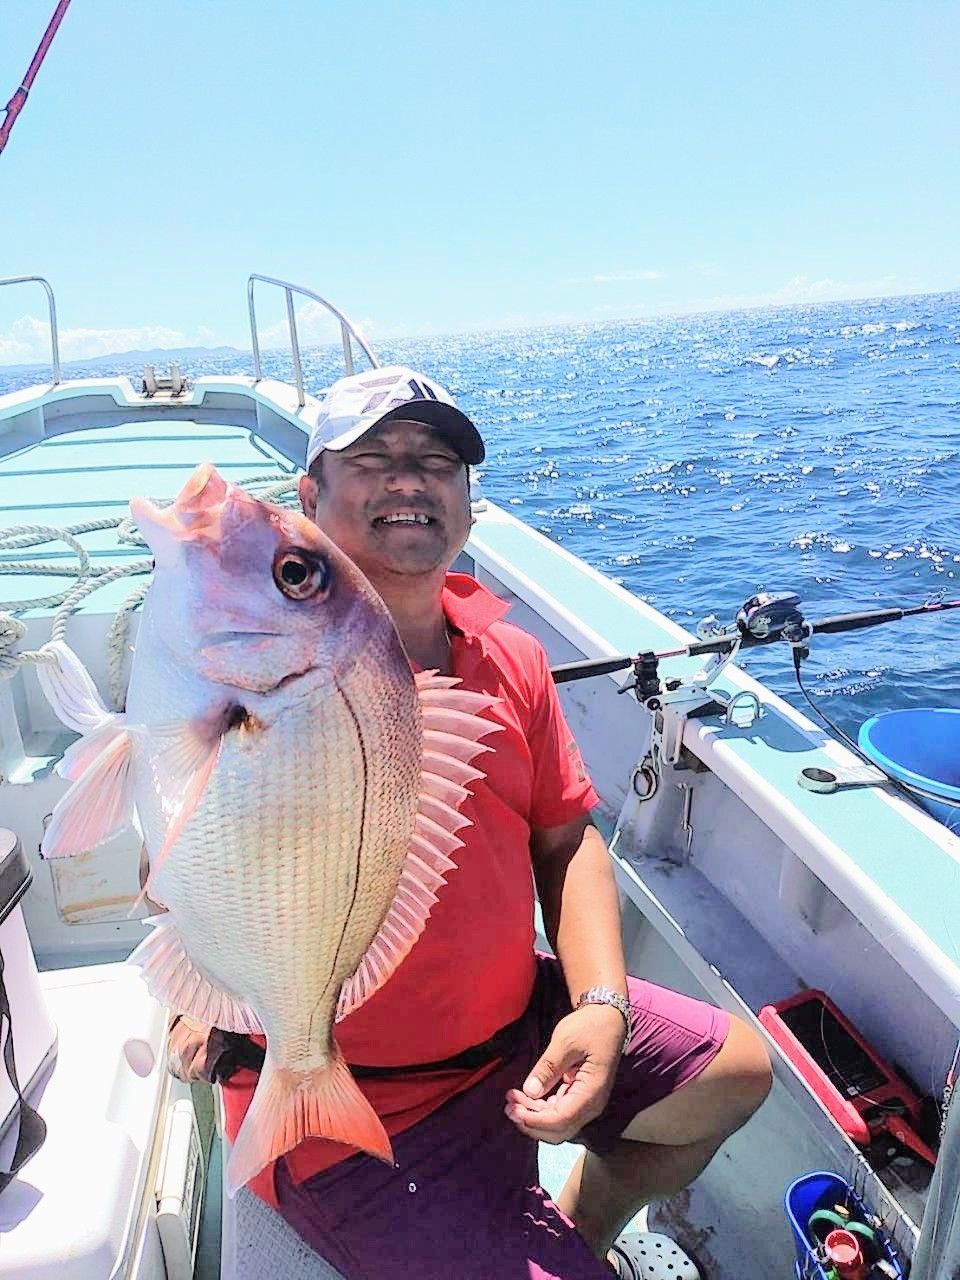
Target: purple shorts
{"x": 464, "y": 1200}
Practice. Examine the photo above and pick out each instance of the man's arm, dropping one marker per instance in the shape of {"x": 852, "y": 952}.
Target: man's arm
{"x": 580, "y": 904}
{"x": 571, "y": 1082}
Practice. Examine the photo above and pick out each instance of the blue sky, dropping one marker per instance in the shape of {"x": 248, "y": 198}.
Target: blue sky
{"x": 440, "y": 167}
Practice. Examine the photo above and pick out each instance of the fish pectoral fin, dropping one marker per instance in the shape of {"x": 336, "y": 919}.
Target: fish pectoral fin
{"x": 174, "y": 980}
{"x": 181, "y": 770}
{"x": 289, "y": 1106}
{"x": 451, "y": 739}
{"x": 99, "y": 805}
{"x": 100, "y": 802}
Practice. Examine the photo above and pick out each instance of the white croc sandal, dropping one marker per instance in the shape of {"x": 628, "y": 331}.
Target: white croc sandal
{"x": 648, "y": 1255}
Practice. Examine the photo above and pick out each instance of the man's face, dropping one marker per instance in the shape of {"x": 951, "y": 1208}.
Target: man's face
{"x": 397, "y": 500}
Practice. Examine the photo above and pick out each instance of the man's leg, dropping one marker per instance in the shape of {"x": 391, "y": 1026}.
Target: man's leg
{"x": 464, "y": 1201}
{"x": 668, "y": 1144}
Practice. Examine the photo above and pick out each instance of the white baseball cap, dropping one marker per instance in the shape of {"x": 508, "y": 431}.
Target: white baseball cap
{"x": 353, "y": 405}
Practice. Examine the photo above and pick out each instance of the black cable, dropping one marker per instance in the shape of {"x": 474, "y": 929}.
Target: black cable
{"x": 822, "y": 716}
{"x": 911, "y": 793}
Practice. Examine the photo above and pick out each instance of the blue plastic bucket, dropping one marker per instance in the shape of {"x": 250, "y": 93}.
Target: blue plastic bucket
{"x": 921, "y": 749}
{"x": 822, "y": 1191}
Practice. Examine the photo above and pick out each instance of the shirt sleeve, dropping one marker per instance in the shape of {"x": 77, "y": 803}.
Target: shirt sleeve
{"x": 562, "y": 789}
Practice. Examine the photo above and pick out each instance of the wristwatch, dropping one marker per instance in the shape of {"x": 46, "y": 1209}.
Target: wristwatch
{"x": 606, "y": 995}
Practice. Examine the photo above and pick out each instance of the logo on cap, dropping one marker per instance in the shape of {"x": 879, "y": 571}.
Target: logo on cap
{"x": 353, "y": 405}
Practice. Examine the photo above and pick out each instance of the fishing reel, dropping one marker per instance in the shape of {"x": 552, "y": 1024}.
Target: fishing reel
{"x": 760, "y": 616}
{"x": 763, "y": 618}
{"x": 772, "y": 613}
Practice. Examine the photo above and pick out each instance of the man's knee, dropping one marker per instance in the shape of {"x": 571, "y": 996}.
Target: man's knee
{"x": 715, "y": 1103}
{"x": 749, "y": 1074}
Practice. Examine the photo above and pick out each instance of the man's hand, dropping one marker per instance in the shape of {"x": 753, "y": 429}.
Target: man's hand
{"x": 193, "y": 1049}
{"x": 571, "y": 1082}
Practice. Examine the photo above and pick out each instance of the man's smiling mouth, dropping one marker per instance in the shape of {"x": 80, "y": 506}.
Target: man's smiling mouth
{"x": 404, "y": 518}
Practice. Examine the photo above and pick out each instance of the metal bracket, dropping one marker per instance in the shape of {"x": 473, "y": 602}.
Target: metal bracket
{"x": 746, "y": 697}
{"x": 826, "y": 781}
{"x": 674, "y": 709}
{"x": 686, "y": 826}
{"x": 172, "y": 384}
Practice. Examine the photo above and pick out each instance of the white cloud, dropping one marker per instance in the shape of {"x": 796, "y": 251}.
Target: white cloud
{"x": 316, "y": 327}
{"x": 617, "y": 277}
{"x": 27, "y": 341}
{"x": 800, "y": 289}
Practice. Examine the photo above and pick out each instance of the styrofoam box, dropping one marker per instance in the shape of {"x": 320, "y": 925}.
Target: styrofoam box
{"x": 84, "y": 1207}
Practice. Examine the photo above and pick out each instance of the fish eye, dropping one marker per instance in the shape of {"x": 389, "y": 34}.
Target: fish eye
{"x": 300, "y": 574}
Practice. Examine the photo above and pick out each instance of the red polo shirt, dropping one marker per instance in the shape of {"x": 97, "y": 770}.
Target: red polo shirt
{"x": 472, "y": 970}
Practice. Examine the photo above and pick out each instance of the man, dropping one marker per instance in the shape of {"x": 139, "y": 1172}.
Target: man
{"x": 475, "y": 1048}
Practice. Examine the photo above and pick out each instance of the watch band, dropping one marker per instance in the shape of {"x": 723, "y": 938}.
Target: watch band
{"x": 606, "y": 995}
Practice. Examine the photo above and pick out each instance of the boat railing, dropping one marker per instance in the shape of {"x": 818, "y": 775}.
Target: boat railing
{"x": 52, "y": 306}
{"x": 348, "y": 329}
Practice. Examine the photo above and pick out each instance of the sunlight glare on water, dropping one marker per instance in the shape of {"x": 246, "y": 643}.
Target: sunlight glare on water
{"x": 699, "y": 459}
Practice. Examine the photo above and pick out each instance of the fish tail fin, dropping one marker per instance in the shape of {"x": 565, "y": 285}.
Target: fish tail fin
{"x": 289, "y": 1106}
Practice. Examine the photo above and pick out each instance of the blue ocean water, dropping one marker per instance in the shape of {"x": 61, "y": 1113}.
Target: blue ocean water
{"x": 699, "y": 459}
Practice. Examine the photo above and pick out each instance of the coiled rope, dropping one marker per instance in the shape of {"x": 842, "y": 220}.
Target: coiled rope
{"x": 87, "y": 578}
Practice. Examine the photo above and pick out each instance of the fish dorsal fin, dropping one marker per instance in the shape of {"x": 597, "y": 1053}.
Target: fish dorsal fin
{"x": 451, "y": 737}
{"x": 174, "y": 980}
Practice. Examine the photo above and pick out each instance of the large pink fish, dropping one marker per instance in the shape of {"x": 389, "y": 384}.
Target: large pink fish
{"x": 298, "y": 790}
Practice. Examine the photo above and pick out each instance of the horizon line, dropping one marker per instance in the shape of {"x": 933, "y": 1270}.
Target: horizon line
{"x": 671, "y": 314}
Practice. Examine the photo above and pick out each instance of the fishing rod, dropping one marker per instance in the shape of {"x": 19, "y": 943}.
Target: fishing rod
{"x": 16, "y": 103}
{"x": 765, "y": 618}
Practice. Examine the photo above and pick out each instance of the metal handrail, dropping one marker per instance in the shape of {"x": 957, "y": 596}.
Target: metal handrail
{"x": 347, "y": 330}
{"x": 54, "y": 336}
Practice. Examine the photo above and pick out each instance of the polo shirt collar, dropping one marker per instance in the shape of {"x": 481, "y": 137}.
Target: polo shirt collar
{"x": 469, "y": 606}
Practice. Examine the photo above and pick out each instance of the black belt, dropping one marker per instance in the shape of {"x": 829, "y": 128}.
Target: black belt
{"x": 241, "y": 1052}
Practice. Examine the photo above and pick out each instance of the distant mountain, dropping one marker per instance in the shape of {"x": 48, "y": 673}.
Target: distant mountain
{"x": 157, "y": 355}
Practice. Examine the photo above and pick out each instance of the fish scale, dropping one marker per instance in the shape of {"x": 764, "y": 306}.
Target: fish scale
{"x": 267, "y": 893}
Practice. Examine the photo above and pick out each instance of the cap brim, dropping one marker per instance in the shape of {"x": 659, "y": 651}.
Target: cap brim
{"x": 447, "y": 420}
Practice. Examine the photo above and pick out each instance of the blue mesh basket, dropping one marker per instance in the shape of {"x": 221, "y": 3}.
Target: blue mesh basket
{"x": 822, "y": 1191}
